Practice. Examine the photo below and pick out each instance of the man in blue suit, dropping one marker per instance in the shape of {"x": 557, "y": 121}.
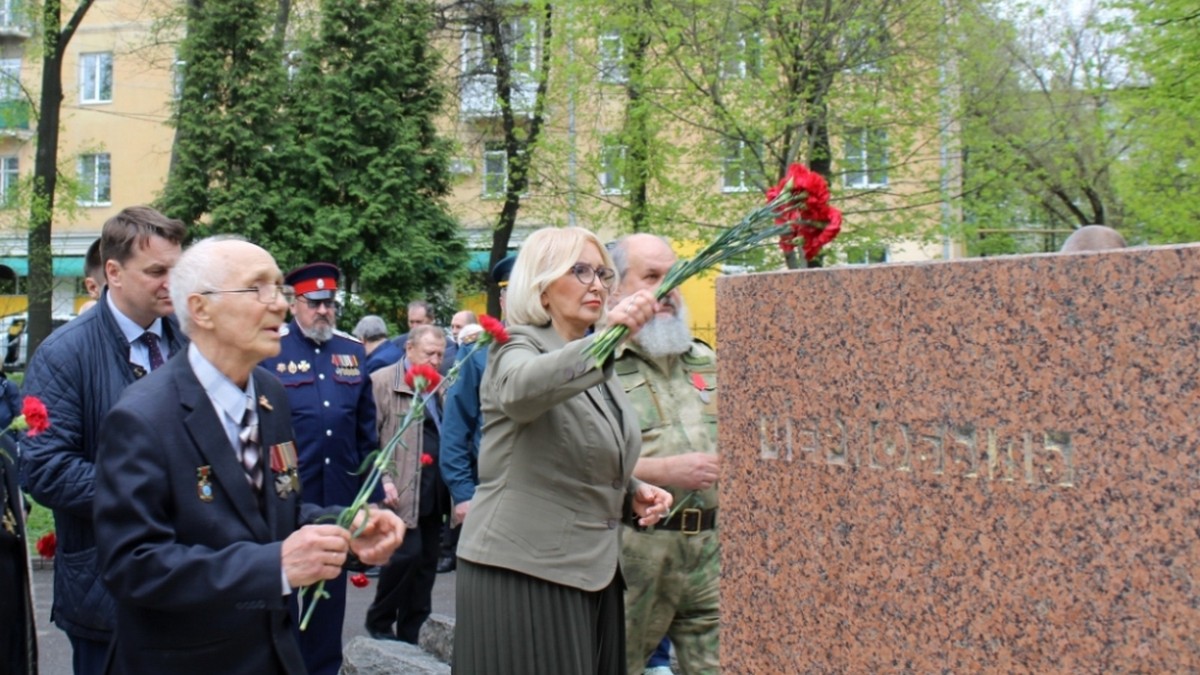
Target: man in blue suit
{"x": 333, "y": 412}
{"x": 462, "y": 422}
{"x": 199, "y": 521}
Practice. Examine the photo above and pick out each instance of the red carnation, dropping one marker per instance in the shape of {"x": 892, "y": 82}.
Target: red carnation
{"x": 426, "y": 459}
{"x": 815, "y": 221}
{"x": 48, "y": 543}
{"x": 36, "y": 417}
{"x": 422, "y": 379}
{"x": 494, "y": 328}
{"x": 359, "y": 580}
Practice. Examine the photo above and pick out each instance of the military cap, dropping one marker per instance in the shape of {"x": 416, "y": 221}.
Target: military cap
{"x": 503, "y": 270}
{"x": 315, "y": 281}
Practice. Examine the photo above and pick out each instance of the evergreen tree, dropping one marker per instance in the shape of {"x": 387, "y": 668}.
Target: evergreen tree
{"x": 366, "y": 172}
{"x": 225, "y": 157}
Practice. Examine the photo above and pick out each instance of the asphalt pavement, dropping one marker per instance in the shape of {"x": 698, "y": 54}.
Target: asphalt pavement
{"x": 54, "y": 650}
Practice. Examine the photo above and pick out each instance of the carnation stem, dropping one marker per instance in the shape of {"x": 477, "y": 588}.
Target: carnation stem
{"x": 376, "y": 467}
{"x": 735, "y": 241}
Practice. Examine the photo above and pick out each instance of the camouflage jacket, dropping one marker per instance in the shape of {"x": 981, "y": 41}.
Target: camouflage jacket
{"x": 676, "y": 401}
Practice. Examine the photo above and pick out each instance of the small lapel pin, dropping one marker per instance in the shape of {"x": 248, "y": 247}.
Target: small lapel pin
{"x": 264, "y": 403}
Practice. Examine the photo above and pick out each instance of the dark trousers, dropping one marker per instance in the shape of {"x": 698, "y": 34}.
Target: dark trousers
{"x": 14, "y": 620}
{"x": 450, "y": 540}
{"x": 321, "y": 642}
{"x": 404, "y": 594}
{"x": 88, "y": 656}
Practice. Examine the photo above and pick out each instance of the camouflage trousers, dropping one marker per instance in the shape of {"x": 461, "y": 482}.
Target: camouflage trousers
{"x": 673, "y": 581}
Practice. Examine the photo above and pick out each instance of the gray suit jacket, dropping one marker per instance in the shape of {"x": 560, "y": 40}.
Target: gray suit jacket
{"x": 555, "y": 465}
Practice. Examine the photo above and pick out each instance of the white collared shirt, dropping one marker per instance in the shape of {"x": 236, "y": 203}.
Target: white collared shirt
{"x": 139, "y": 353}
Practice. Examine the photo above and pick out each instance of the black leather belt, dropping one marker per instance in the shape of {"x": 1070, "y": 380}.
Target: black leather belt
{"x": 690, "y": 521}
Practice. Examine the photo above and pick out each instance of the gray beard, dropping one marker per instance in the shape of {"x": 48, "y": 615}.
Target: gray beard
{"x": 666, "y": 336}
{"x": 318, "y": 333}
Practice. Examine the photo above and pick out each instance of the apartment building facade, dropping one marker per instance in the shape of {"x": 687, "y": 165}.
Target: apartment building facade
{"x": 121, "y": 77}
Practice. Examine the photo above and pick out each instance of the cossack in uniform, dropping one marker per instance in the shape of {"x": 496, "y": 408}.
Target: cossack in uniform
{"x": 333, "y": 414}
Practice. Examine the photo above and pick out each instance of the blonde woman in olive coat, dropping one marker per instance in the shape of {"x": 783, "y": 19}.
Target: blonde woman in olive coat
{"x": 539, "y": 586}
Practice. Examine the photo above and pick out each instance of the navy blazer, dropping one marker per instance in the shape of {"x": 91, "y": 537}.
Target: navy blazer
{"x": 197, "y": 578}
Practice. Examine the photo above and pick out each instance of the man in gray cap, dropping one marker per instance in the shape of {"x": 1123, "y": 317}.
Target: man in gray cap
{"x": 380, "y": 351}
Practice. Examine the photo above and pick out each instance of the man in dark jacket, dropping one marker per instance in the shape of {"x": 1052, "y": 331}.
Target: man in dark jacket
{"x": 18, "y": 632}
{"x": 79, "y": 372}
{"x": 201, "y": 532}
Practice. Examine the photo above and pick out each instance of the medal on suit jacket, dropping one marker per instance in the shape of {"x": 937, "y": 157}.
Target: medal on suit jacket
{"x": 204, "y": 488}
{"x": 283, "y": 464}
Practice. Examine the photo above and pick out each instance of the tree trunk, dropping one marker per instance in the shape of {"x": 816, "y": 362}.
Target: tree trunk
{"x": 637, "y": 134}
{"x": 45, "y": 180}
{"x": 45, "y": 166}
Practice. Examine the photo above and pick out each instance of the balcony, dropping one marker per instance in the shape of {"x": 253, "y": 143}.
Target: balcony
{"x": 479, "y": 99}
{"x": 14, "y": 118}
{"x": 14, "y": 23}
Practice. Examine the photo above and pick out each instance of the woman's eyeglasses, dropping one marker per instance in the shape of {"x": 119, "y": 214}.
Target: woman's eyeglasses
{"x": 586, "y": 274}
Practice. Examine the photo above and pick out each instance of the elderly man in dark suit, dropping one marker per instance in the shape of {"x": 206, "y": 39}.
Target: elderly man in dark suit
{"x": 198, "y": 514}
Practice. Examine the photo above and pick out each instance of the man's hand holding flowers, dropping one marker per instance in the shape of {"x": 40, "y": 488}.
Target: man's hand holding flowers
{"x": 382, "y": 534}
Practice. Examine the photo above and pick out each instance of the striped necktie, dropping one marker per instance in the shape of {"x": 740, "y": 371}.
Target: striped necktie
{"x": 250, "y": 446}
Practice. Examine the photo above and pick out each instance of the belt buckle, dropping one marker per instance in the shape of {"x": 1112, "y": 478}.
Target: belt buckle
{"x": 696, "y": 520}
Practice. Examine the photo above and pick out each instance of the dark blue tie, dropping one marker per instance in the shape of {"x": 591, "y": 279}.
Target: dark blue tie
{"x": 151, "y": 342}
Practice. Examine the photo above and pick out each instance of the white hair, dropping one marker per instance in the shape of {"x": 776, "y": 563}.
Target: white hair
{"x": 666, "y": 335}
{"x": 200, "y": 268}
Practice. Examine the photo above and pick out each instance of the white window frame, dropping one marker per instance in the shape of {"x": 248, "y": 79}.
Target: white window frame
{"x": 10, "y": 175}
{"x": 292, "y": 63}
{"x": 9, "y": 14}
{"x": 865, "y": 158}
{"x": 178, "y": 69}
{"x": 10, "y": 80}
{"x": 737, "y": 65}
{"x": 523, "y": 35}
{"x": 95, "y": 179}
{"x": 522, "y": 53}
{"x": 612, "y": 168}
{"x": 493, "y": 155}
{"x": 610, "y": 49}
{"x": 736, "y": 151}
{"x": 95, "y": 72}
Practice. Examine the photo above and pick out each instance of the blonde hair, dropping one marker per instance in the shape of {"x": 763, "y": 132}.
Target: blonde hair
{"x": 545, "y": 256}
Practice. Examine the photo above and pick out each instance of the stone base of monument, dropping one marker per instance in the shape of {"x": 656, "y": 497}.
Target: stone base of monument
{"x": 980, "y": 466}
{"x": 366, "y": 656}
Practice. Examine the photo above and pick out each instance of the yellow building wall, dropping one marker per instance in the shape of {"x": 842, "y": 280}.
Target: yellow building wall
{"x": 134, "y": 128}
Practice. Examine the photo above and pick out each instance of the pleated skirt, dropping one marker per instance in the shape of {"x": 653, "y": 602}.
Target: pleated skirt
{"x": 508, "y": 623}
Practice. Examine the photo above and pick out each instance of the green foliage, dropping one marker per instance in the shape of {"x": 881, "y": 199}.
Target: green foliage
{"x": 39, "y": 522}
{"x": 336, "y": 160}
{"x": 366, "y": 171}
{"x": 1039, "y": 122}
{"x": 227, "y": 122}
{"x": 1158, "y": 176}
{"x": 783, "y": 80}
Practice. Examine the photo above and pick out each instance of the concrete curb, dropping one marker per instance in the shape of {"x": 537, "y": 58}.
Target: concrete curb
{"x": 367, "y": 656}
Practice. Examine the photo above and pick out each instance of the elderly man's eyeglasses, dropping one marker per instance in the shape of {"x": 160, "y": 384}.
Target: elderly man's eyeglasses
{"x": 586, "y": 274}
{"x": 266, "y": 293}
